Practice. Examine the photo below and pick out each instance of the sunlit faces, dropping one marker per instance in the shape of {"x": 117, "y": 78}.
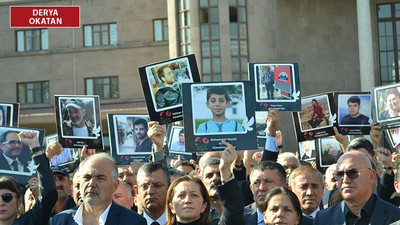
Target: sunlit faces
{"x": 77, "y": 116}
{"x": 63, "y": 185}
{"x": 123, "y": 196}
{"x": 308, "y": 188}
{"x": 262, "y": 183}
{"x": 8, "y": 210}
{"x": 126, "y": 175}
{"x": 151, "y": 190}
{"x": 280, "y": 210}
{"x": 169, "y": 77}
{"x": 186, "y": 169}
{"x": 218, "y": 104}
{"x": 187, "y": 203}
{"x": 97, "y": 186}
{"x": 211, "y": 177}
{"x": 289, "y": 164}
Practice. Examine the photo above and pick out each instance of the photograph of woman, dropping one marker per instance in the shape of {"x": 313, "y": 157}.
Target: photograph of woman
{"x": 318, "y": 114}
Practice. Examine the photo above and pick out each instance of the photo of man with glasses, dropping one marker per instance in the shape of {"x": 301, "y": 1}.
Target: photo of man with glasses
{"x": 12, "y": 151}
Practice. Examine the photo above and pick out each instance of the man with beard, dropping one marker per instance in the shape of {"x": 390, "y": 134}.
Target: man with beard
{"x": 63, "y": 185}
{"x": 168, "y": 91}
{"x": 144, "y": 143}
{"x": 77, "y": 125}
{"x": 12, "y": 151}
{"x": 392, "y": 105}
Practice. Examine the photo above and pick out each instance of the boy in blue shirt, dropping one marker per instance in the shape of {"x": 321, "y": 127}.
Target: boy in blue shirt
{"x": 218, "y": 101}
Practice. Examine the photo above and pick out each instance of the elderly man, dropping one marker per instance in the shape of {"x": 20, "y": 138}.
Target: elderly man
{"x": 77, "y": 125}
{"x": 151, "y": 190}
{"x": 308, "y": 185}
{"x": 123, "y": 195}
{"x": 99, "y": 180}
{"x": 289, "y": 161}
{"x": 12, "y": 150}
{"x": 355, "y": 178}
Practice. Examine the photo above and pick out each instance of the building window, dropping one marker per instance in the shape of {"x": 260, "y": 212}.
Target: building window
{"x": 32, "y": 40}
{"x": 100, "y": 34}
{"x": 160, "y": 29}
{"x": 184, "y": 27}
{"x": 210, "y": 44}
{"x": 389, "y": 40}
{"x": 238, "y": 34}
{"x": 33, "y": 92}
{"x": 105, "y": 87}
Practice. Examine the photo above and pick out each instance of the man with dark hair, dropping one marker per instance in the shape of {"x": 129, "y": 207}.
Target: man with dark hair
{"x": 63, "y": 185}
{"x": 12, "y": 159}
{"x": 151, "y": 189}
{"x": 354, "y": 116}
{"x": 268, "y": 81}
{"x": 185, "y": 167}
{"x": 77, "y": 125}
{"x": 169, "y": 91}
{"x": 179, "y": 145}
{"x": 144, "y": 143}
{"x": 392, "y": 105}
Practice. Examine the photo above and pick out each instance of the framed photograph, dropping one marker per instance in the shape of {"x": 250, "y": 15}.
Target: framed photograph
{"x": 68, "y": 155}
{"x": 316, "y": 118}
{"x": 386, "y": 106}
{"x": 354, "y": 112}
{"x": 9, "y": 114}
{"x": 219, "y": 111}
{"x": 277, "y": 85}
{"x": 15, "y": 157}
{"x": 307, "y": 150}
{"x": 329, "y": 151}
{"x": 176, "y": 142}
{"x": 393, "y": 135}
{"x": 128, "y": 137}
{"x": 79, "y": 121}
{"x": 261, "y": 127}
{"x": 162, "y": 87}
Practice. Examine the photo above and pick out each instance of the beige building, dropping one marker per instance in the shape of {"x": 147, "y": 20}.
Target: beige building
{"x": 342, "y": 45}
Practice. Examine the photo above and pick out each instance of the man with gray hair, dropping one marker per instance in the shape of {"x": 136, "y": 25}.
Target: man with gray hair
{"x": 99, "y": 180}
{"x": 289, "y": 161}
{"x": 123, "y": 195}
{"x": 77, "y": 125}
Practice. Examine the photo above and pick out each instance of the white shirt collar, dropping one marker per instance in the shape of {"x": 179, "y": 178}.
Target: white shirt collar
{"x": 161, "y": 220}
{"x": 260, "y": 218}
{"x": 313, "y": 213}
{"x": 78, "y": 217}
{"x": 10, "y": 160}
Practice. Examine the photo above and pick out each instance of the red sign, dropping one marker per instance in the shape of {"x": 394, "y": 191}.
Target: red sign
{"x": 45, "y": 16}
{"x": 282, "y": 74}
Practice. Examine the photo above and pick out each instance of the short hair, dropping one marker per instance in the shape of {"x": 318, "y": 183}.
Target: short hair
{"x": 354, "y": 99}
{"x": 284, "y": 191}
{"x": 391, "y": 92}
{"x": 160, "y": 71}
{"x": 140, "y": 121}
{"x": 185, "y": 163}
{"x": 181, "y": 132}
{"x": 151, "y": 167}
{"x": 269, "y": 165}
{"x": 289, "y": 155}
{"x": 360, "y": 142}
{"x": 218, "y": 91}
{"x": 304, "y": 169}
{"x": 3, "y": 136}
{"x": 106, "y": 157}
{"x": 204, "y": 217}
{"x": 173, "y": 172}
{"x": 209, "y": 161}
{"x": 128, "y": 187}
{"x": 9, "y": 183}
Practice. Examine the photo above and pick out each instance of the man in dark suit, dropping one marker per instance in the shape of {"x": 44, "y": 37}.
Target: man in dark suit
{"x": 99, "y": 180}
{"x": 12, "y": 149}
{"x": 355, "y": 178}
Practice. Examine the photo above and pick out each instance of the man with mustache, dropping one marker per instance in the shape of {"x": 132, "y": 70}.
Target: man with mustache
{"x": 308, "y": 185}
{"x": 12, "y": 151}
{"x": 77, "y": 125}
{"x": 63, "y": 185}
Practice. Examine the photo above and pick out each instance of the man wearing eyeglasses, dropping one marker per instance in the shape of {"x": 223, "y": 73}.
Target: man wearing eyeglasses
{"x": 12, "y": 149}
{"x": 355, "y": 177}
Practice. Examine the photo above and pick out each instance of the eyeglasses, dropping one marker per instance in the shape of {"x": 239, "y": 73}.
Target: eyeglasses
{"x": 13, "y": 142}
{"x": 7, "y": 197}
{"x": 351, "y": 173}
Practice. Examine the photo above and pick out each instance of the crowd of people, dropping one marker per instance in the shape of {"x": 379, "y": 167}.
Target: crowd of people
{"x": 225, "y": 188}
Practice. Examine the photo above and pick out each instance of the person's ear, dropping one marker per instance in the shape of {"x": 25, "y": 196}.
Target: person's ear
{"x": 204, "y": 207}
{"x": 397, "y": 186}
{"x": 207, "y": 104}
{"x": 171, "y": 207}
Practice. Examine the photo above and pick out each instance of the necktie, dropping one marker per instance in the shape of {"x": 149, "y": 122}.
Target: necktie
{"x": 14, "y": 165}
{"x": 155, "y": 223}
{"x": 219, "y": 127}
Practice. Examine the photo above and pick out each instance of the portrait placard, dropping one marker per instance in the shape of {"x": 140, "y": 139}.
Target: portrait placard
{"x": 162, "y": 87}
{"x": 15, "y": 157}
{"x": 176, "y": 143}
{"x": 9, "y": 114}
{"x": 393, "y": 136}
{"x": 68, "y": 156}
{"x": 261, "y": 127}
{"x": 329, "y": 151}
{"x": 354, "y": 112}
{"x": 386, "y": 106}
{"x": 316, "y": 118}
{"x": 219, "y": 111}
{"x": 307, "y": 150}
{"x": 79, "y": 121}
{"x": 277, "y": 85}
{"x": 128, "y": 137}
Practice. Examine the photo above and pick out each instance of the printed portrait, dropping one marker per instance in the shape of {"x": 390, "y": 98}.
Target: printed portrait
{"x": 315, "y": 113}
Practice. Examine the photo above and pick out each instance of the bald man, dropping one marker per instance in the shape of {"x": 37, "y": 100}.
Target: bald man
{"x": 354, "y": 177}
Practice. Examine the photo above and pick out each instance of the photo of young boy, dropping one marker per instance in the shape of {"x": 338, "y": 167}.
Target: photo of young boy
{"x": 222, "y": 105}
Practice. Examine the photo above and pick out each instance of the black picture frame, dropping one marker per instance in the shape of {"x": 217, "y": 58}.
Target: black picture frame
{"x": 173, "y": 143}
{"x": 381, "y": 105}
{"x": 9, "y": 114}
{"x": 68, "y": 158}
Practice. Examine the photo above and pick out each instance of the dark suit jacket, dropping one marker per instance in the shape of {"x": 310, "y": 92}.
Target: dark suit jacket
{"x": 5, "y": 166}
{"x": 383, "y": 213}
{"x": 118, "y": 215}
